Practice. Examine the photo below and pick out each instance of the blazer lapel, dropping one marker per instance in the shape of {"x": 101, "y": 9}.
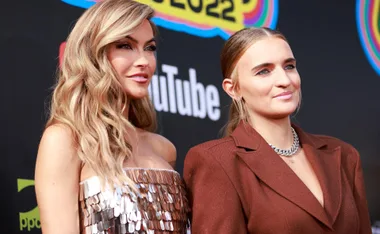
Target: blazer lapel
{"x": 274, "y": 172}
{"x": 326, "y": 163}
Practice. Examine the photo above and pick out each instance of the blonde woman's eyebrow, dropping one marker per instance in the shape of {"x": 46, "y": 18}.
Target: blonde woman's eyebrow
{"x": 136, "y": 41}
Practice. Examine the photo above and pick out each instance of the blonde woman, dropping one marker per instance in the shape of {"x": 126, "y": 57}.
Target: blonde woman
{"x": 268, "y": 175}
{"x": 100, "y": 168}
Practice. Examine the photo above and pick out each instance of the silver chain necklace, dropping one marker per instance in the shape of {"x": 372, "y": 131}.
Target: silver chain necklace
{"x": 292, "y": 150}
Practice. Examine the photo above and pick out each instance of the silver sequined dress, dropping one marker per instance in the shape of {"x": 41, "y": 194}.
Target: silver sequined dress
{"x": 160, "y": 206}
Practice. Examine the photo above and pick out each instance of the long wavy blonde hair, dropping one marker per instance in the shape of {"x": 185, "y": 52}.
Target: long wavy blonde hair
{"x": 88, "y": 97}
{"x": 232, "y": 51}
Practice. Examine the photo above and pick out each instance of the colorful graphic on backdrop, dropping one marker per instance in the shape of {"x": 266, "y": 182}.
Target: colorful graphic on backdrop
{"x": 207, "y": 18}
{"x": 367, "y": 19}
{"x": 30, "y": 219}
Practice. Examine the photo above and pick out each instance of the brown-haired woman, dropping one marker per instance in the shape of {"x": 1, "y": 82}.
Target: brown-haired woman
{"x": 100, "y": 166}
{"x": 268, "y": 175}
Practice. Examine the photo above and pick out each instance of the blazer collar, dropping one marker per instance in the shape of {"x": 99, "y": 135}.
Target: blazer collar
{"x": 275, "y": 173}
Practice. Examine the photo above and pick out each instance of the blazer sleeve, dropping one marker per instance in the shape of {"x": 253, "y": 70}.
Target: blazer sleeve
{"x": 360, "y": 197}
{"x": 216, "y": 206}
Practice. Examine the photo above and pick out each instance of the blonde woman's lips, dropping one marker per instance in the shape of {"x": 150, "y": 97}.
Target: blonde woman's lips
{"x": 284, "y": 95}
{"x": 140, "y": 77}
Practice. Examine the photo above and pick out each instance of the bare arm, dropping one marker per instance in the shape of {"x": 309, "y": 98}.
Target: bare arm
{"x": 57, "y": 182}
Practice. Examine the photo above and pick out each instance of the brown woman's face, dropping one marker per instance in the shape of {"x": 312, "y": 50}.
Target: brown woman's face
{"x": 268, "y": 79}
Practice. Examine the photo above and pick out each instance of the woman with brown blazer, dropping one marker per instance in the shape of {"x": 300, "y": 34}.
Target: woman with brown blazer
{"x": 268, "y": 176}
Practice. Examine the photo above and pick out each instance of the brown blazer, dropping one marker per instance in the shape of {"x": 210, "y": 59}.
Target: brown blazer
{"x": 239, "y": 185}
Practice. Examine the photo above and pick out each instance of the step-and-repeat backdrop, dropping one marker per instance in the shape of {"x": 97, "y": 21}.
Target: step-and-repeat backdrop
{"x": 336, "y": 44}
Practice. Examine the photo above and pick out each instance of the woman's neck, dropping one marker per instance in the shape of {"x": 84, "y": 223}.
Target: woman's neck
{"x": 276, "y": 132}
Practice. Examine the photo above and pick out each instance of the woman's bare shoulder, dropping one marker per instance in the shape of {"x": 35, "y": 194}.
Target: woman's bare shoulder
{"x": 57, "y": 149}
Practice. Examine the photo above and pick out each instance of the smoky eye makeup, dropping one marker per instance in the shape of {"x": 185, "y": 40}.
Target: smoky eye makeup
{"x": 123, "y": 46}
{"x": 151, "y": 47}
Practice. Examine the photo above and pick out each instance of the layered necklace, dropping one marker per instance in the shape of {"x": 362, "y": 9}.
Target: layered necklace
{"x": 292, "y": 150}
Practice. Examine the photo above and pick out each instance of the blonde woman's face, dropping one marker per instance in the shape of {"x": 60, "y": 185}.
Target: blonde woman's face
{"x": 134, "y": 60}
{"x": 268, "y": 79}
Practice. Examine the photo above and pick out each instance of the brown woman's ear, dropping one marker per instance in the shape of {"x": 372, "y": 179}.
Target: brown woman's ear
{"x": 229, "y": 88}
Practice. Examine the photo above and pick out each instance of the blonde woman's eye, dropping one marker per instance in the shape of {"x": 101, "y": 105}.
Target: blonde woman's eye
{"x": 124, "y": 46}
{"x": 151, "y": 48}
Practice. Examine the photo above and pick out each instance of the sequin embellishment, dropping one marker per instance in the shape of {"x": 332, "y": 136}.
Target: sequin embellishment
{"x": 160, "y": 207}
